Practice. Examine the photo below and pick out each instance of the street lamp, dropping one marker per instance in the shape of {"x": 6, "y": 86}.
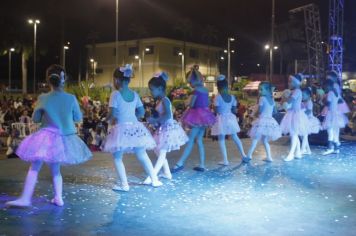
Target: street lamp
{"x": 117, "y": 34}
{"x": 65, "y": 48}
{"x": 269, "y": 48}
{"x": 229, "y": 40}
{"x": 10, "y": 51}
{"x": 146, "y": 50}
{"x": 137, "y": 57}
{"x": 183, "y": 69}
{"x": 34, "y": 22}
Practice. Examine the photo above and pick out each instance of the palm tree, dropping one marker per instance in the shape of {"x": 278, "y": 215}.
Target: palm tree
{"x": 209, "y": 35}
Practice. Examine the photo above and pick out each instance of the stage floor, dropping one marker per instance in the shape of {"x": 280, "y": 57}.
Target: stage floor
{"x": 312, "y": 196}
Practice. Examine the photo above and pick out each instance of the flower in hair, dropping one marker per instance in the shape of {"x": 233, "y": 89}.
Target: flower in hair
{"x": 127, "y": 70}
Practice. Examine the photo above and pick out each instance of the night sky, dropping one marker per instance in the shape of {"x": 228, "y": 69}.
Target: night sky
{"x": 76, "y": 20}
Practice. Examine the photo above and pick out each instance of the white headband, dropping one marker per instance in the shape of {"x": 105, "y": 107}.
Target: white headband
{"x": 220, "y": 78}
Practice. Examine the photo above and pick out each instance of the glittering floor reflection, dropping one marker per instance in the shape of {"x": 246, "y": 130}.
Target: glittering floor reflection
{"x": 312, "y": 196}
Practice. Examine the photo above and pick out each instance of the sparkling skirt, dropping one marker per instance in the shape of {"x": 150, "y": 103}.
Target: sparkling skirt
{"x": 226, "y": 124}
{"x": 265, "y": 126}
{"x": 126, "y": 137}
{"x": 170, "y": 137}
{"x": 335, "y": 120}
{"x": 295, "y": 123}
{"x": 49, "y": 146}
{"x": 194, "y": 117}
{"x": 314, "y": 125}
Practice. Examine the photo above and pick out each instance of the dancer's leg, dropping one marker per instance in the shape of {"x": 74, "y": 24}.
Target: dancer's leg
{"x": 161, "y": 162}
{"x": 331, "y": 139}
{"x": 293, "y": 147}
{"x": 222, "y": 146}
{"x": 121, "y": 172}
{"x": 267, "y": 148}
{"x": 253, "y": 146}
{"x": 188, "y": 148}
{"x": 147, "y": 165}
{"x": 200, "y": 143}
{"x": 57, "y": 184}
{"x": 29, "y": 186}
{"x": 238, "y": 143}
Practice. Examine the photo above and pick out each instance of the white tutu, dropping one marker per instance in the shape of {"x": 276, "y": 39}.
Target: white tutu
{"x": 127, "y": 136}
{"x": 50, "y": 146}
{"x": 295, "y": 123}
{"x": 170, "y": 137}
{"x": 335, "y": 120}
{"x": 314, "y": 125}
{"x": 226, "y": 124}
{"x": 265, "y": 126}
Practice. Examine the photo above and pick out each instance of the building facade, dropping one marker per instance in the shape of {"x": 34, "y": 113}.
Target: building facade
{"x": 152, "y": 55}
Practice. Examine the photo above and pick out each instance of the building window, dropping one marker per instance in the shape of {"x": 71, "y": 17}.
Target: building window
{"x": 176, "y": 51}
{"x": 133, "y": 51}
{"x": 194, "y": 53}
{"x": 149, "y": 50}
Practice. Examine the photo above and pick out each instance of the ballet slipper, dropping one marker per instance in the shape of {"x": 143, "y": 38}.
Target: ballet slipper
{"x": 166, "y": 176}
{"x": 289, "y": 158}
{"x": 57, "y": 202}
{"x": 18, "y": 203}
{"x": 121, "y": 188}
{"x": 147, "y": 181}
{"x": 246, "y": 159}
{"x": 156, "y": 184}
{"x": 177, "y": 168}
{"x": 222, "y": 163}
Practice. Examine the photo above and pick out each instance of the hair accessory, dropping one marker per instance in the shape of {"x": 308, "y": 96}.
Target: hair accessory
{"x": 127, "y": 70}
{"x": 54, "y": 75}
{"x": 62, "y": 77}
{"x": 163, "y": 75}
{"x": 220, "y": 78}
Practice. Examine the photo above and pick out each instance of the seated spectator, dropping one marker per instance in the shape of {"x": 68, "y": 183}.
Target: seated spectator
{"x": 13, "y": 141}
{"x": 25, "y": 118}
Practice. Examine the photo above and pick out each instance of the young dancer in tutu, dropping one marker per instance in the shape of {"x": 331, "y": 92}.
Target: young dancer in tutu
{"x": 226, "y": 122}
{"x": 56, "y": 143}
{"x": 342, "y": 106}
{"x": 128, "y": 135}
{"x": 334, "y": 119}
{"x": 198, "y": 117}
{"x": 295, "y": 122}
{"x": 314, "y": 123}
{"x": 169, "y": 135}
{"x": 265, "y": 127}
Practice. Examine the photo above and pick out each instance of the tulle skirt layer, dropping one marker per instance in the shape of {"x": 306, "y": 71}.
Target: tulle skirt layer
{"x": 170, "y": 137}
{"x": 126, "y": 137}
{"x": 194, "y": 117}
{"x": 295, "y": 123}
{"x": 335, "y": 120}
{"x": 265, "y": 126}
{"x": 314, "y": 125}
{"x": 49, "y": 146}
{"x": 226, "y": 124}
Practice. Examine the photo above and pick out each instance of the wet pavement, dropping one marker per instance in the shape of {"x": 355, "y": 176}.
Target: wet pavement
{"x": 312, "y": 196}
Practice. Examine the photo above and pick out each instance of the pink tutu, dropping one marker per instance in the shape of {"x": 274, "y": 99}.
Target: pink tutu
{"x": 314, "y": 125}
{"x": 226, "y": 124}
{"x": 335, "y": 120}
{"x": 194, "y": 117}
{"x": 295, "y": 123}
{"x": 50, "y": 146}
{"x": 128, "y": 136}
{"x": 265, "y": 126}
{"x": 343, "y": 108}
{"x": 170, "y": 137}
